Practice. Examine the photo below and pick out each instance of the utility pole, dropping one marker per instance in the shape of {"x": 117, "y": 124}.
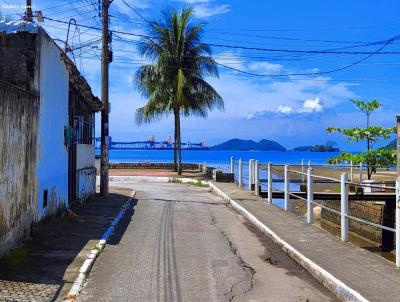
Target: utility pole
{"x": 104, "y": 98}
{"x": 28, "y": 11}
{"x": 398, "y": 146}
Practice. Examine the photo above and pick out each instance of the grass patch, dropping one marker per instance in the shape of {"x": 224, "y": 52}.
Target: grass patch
{"x": 197, "y": 183}
{"x": 18, "y": 256}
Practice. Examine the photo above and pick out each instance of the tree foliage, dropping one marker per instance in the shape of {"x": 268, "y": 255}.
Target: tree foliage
{"x": 175, "y": 83}
{"x": 381, "y": 157}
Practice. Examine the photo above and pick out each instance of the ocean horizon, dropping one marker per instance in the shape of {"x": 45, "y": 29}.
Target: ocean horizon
{"x": 220, "y": 159}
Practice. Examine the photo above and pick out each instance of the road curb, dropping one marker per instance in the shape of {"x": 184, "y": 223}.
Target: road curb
{"x": 91, "y": 258}
{"x": 338, "y": 287}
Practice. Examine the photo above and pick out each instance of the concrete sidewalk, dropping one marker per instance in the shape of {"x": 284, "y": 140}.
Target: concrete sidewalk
{"x": 367, "y": 277}
{"x": 45, "y": 268}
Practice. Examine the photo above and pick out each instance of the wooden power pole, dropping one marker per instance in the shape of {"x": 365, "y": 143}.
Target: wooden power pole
{"x": 105, "y": 56}
{"x": 398, "y": 146}
{"x": 28, "y": 11}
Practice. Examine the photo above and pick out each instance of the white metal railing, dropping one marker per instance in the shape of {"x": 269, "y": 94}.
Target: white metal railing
{"x": 306, "y": 173}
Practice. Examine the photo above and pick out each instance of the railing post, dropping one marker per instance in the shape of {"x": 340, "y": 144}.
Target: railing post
{"x": 309, "y": 163}
{"x": 256, "y": 178}
{"x": 286, "y": 187}
{"x": 361, "y": 172}
{"x": 240, "y": 172}
{"x": 309, "y": 196}
{"x": 397, "y": 210}
{"x": 397, "y": 223}
{"x": 232, "y": 164}
{"x": 302, "y": 170}
{"x": 344, "y": 208}
{"x": 250, "y": 173}
{"x": 269, "y": 183}
{"x": 351, "y": 171}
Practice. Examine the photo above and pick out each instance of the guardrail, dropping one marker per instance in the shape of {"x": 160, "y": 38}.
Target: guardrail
{"x": 255, "y": 183}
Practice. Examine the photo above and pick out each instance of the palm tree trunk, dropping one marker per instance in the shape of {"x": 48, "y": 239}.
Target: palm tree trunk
{"x": 178, "y": 132}
{"x": 176, "y": 115}
{"x": 369, "y": 168}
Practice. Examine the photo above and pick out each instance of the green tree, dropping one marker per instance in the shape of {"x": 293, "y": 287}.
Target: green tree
{"x": 381, "y": 157}
{"x": 174, "y": 83}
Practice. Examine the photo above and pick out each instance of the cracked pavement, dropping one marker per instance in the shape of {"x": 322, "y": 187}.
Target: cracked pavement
{"x": 182, "y": 243}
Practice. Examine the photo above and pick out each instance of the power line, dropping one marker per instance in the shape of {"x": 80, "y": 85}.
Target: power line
{"x": 289, "y": 39}
{"x": 368, "y": 54}
{"x": 257, "y": 48}
{"x": 308, "y": 30}
{"x": 137, "y": 12}
{"x": 69, "y": 9}
{"x": 55, "y": 6}
{"x": 304, "y": 51}
{"x": 314, "y": 73}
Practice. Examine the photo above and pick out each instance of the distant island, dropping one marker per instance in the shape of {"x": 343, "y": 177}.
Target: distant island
{"x": 316, "y": 148}
{"x": 237, "y": 144}
{"x": 249, "y": 145}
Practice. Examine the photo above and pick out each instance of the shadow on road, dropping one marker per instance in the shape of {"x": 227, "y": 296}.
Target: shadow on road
{"x": 44, "y": 268}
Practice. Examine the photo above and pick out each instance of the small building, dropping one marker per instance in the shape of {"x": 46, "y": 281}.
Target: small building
{"x": 47, "y": 157}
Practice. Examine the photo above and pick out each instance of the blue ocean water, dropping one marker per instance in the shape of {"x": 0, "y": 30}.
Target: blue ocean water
{"x": 219, "y": 158}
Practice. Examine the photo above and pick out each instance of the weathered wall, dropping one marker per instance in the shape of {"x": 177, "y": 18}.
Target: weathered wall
{"x": 86, "y": 170}
{"x": 18, "y": 59}
{"x": 18, "y": 125}
{"x": 34, "y": 110}
{"x": 52, "y": 155}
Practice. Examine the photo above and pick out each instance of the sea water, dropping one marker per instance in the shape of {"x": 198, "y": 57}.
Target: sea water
{"x": 220, "y": 159}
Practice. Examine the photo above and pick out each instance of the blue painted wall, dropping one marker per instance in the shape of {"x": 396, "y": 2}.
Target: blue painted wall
{"x": 52, "y": 155}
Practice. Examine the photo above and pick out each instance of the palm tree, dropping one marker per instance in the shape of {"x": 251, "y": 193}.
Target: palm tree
{"x": 175, "y": 83}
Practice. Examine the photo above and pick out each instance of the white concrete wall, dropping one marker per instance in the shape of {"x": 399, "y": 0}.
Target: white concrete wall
{"x": 52, "y": 155}
{"x": 85, "y": 154}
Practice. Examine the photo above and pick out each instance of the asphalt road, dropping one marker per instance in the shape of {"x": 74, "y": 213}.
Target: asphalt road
{"x": 182, "y": 243}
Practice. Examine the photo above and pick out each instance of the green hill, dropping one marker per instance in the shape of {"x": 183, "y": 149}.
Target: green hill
{"x": 316, "y": 148}
{"x": 247, "y": 145}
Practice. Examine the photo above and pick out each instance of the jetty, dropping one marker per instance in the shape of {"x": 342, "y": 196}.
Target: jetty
{"x": 150, "y": 144}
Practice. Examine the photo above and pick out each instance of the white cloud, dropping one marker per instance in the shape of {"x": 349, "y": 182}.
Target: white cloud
{"x": 311, "y": 105}
{"x": 285, "y": 109}
{"x": 244, "y": 96}
{"x": 124, "y": 9}
{"x": 265, "y": 67}
{"x": 230, "y": 59}
{"x": 205, "y": 10}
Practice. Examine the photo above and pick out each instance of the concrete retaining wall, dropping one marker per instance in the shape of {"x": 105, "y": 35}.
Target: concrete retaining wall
{"x": 367, "y": 210}
{"x": 148, "y": 165}
{"x": 217, "y": 175}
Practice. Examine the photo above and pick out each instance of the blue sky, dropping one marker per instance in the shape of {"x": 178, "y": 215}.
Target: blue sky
{"x": 291, "y": 110}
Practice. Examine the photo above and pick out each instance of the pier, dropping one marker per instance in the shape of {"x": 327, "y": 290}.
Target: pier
{"x": 150, "y": 144}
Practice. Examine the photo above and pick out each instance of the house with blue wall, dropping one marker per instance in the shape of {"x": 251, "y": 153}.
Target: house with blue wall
{"x": 47, "y": 157}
